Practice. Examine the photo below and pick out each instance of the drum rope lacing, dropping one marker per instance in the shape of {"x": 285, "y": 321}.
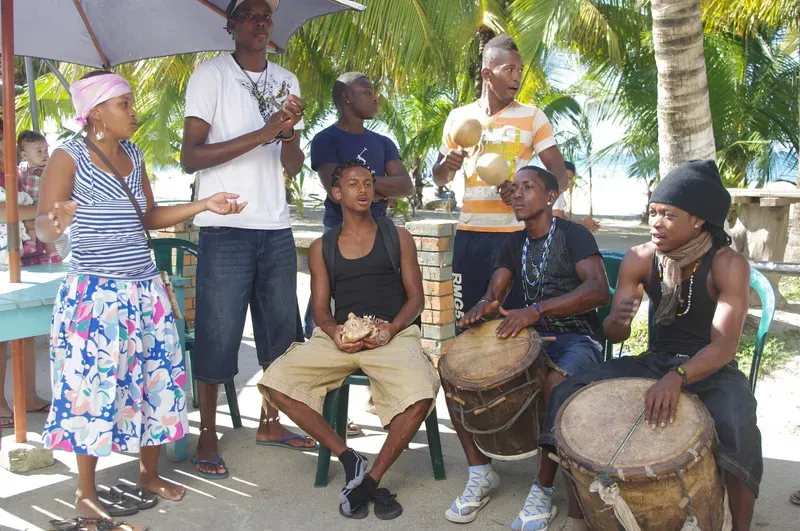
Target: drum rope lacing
{"x": 511, "y": 421}
{"x": 608, "y": 490}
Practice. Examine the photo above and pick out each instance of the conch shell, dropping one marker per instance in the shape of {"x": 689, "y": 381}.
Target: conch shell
{"x": 357, "y": 328}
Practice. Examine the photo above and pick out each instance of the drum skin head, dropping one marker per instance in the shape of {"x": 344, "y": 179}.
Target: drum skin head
{"x": 478, "y": 357}
{"x": 593, "y": 423}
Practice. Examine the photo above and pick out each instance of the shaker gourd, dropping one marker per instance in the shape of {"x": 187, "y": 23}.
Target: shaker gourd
{"x": 492, "y": 169}
{"x": 466, "y": 133}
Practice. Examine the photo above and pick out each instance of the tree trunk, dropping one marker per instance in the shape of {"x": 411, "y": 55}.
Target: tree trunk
{"x": 484, "y": 35}
{"x": 685, "y": 130}
{"x": 591, "y": 206}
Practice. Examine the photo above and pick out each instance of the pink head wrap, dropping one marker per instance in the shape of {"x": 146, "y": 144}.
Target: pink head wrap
{"x": 90, "y": 92}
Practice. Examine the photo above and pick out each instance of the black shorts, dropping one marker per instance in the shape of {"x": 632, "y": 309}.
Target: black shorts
{"x": 474, "y": 258}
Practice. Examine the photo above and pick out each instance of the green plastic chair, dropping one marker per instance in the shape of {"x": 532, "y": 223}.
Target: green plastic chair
{"x": 612, "y": 260}
{"x": 163, "y": 252}
{"x": 766, "y": 293}
{"x": 335, "y": 413}
{"x": 758, "y": 282}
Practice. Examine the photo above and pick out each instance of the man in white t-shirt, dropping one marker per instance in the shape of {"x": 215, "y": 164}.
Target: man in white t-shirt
{"x": 561, "y": 209}
{"x": 243, "y": 116}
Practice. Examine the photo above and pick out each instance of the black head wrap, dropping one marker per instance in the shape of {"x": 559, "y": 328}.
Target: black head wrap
{"x": 696, "y": 187}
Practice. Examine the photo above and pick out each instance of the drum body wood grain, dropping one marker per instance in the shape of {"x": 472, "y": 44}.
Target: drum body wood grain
{"x": 655, "y": 469}
{"x": 494, "y": 389}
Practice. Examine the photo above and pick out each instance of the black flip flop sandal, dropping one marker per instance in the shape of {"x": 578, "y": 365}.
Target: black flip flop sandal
{"x": 143, "y": 500}
{"x": 116, "y": 506}
{"x": 386, "y": 506}
{"x": 71, "y": 524}
{"x": 359, "y": 514}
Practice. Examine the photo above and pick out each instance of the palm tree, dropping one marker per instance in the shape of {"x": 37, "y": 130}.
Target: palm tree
{"x": 685, "y": 129}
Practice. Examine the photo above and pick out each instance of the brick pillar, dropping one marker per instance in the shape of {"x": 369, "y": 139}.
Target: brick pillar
{"x": 185, "y": 231}
{"x": 434, "y": 241}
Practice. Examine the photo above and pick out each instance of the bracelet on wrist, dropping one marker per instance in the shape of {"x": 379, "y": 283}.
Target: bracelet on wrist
{"x": 483, "y": 300}
{"x": 682, "y": 373}
{"x": 287, "y": 138}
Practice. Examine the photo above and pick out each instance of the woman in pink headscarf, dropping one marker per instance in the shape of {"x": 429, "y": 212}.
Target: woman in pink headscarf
{"x": 116, "y": 362}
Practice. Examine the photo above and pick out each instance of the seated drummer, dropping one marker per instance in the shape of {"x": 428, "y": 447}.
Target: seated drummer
{"x": 699, "y": 288}
{"x": 564, "y": 281}
{"x": 404, "y": 381}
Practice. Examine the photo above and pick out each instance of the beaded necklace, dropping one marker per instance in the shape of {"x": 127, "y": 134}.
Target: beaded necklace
{"x": 534, "y": 287}
{"x": 691, "y": 287}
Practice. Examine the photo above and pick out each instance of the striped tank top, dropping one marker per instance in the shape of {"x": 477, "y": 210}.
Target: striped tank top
{"x": 106, "y": 236}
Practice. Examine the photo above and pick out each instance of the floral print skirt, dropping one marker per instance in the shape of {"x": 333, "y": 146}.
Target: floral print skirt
{"x": 117, "y": 369}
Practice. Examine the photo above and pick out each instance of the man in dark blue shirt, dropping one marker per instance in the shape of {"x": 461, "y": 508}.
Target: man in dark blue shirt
{"x": 356, "y": 101}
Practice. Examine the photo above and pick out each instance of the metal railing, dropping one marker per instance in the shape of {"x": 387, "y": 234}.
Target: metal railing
{"x": 783, "y": 268}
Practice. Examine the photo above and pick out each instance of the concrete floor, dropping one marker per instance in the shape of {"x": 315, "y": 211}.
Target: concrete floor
{"x": 273, "y": 488}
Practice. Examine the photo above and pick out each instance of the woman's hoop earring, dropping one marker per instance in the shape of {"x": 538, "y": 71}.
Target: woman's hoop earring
{"x": 100, "y": 134}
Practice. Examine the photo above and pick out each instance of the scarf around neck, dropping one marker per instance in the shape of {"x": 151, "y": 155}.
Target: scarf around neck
{"x": 671, "y": 265}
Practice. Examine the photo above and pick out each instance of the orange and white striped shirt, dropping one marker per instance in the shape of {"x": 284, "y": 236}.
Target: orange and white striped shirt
{"x": 518, "y": 132}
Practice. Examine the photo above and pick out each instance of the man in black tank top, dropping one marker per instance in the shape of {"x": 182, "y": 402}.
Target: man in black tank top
{"x": 365, "y": 281}
{"x": 699, "y": 290}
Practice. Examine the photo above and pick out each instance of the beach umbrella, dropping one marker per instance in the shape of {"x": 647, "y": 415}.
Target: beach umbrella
{"x": 107, "y": 33}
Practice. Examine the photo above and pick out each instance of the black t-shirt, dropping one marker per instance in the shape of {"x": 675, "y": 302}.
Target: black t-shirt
{"x": 571, "y": 243}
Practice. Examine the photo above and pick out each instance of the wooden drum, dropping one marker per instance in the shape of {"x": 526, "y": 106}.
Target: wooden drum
{"x": 665, "y": 476}
{"x": 494, "y": 389}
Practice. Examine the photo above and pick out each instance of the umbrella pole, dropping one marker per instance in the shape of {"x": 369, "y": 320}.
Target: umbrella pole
{"x": 12, "y": 208}
{"x": 33, "y": 103}
{"x": 56, "y": 72}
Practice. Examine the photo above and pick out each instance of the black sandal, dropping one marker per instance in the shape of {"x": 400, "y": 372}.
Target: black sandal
{"x": 71, "y": 524}
{"x": 116, "y": 506}
{"x": 143, "y": 500}
{"x": 386, "y": 506}
{"x": 77, "y": 523}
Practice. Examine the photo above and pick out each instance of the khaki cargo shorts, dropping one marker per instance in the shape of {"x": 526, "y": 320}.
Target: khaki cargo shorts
{"x": 400, "y": 373}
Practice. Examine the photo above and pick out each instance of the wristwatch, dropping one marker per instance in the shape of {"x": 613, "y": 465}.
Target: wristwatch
{"x": 680, "y": 370}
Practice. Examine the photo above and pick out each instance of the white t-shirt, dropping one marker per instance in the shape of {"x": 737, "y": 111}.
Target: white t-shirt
{"x": 220, "y": 93}
{"x": 561, "y": 203}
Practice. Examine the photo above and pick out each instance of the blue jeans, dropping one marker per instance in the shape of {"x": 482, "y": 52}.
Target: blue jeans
{"x": 574, "y": 353}
{"x": 237, "y": 268}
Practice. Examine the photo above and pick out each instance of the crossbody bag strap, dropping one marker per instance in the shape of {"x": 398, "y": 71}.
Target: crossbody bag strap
{"x": 91, "y": 145}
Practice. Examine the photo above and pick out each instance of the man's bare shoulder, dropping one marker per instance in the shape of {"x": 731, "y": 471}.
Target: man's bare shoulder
{"x": 315, "y": 249}
{"x": 641, "y": 255}
{"x": 730, "y": 265}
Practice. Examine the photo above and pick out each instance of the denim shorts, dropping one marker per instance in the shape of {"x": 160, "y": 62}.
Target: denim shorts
{"x": 237, "y": 268}
{"x": 574, "y": 353}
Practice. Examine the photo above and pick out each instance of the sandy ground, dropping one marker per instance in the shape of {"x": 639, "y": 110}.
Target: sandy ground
{"x": 273, "y": 488}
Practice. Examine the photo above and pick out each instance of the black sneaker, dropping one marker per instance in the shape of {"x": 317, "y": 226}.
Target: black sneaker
{"x": 355, "y": 468}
